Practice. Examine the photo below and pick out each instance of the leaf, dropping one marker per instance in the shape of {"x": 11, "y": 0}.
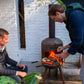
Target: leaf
{"x": 30, "y": 76}
{"x": 7, "y": 80}
{"x": 33, "y": 81}
{"x": 61, "y": 3}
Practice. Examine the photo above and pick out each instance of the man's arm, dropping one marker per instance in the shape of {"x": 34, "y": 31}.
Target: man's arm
{"x": 4, "y": 71}
{"x": 76, "y": 31}
{"x": 9, "y": 60}
{"x": 13, "y": 62}
{"x": 12, "y": 72}
{"x": 8, "y": 72}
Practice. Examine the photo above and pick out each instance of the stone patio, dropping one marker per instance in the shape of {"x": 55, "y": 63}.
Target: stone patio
{"x": 71, "y": 73}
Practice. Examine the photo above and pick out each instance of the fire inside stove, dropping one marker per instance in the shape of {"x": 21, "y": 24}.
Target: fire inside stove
{"x": 52, "y": 59}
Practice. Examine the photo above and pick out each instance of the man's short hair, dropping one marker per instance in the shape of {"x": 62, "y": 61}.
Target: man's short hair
{"x": 55, "y": 8}
{"x": 3, "y": 32}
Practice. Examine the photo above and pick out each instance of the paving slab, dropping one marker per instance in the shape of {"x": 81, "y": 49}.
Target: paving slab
{"x": 70, "y": 72}
{"x": 60, "y": 82}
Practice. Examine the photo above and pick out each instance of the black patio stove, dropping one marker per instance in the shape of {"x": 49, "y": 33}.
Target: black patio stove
{"x": 49, "y": 45}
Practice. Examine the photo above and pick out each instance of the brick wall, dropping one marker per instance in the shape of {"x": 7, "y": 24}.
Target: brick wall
{"x": 36, "y": 29}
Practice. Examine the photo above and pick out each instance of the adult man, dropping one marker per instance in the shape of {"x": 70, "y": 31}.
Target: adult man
{"x": 74, "y": 20}
{"x": 14, "y": 70}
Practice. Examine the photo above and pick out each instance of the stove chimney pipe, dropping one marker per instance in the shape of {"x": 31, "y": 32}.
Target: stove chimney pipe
{"x": 51, "y": 27}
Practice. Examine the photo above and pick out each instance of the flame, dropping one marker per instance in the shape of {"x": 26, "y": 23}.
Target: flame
{"x": 52, "y": 54}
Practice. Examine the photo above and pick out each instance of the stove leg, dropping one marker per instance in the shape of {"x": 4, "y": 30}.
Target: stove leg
{"x": 49, "y": 73}
{"x": 61, "y": 74}
{"x": 57, "y": 74}
{"x": 44, "y": 76}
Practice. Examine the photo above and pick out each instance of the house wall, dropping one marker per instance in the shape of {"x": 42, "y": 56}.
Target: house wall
{"x": 36, "y": 29}
{"x": 8, "y": 21}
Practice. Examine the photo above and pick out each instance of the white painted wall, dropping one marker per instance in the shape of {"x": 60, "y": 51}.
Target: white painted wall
{"x": 36, "y": 29}
{"x": 8, "y": 21}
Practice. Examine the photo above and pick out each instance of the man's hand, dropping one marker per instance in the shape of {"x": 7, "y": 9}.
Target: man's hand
{"x": 22, "y": 74}
{"x": 60, "y": 49}
{"x": 63, "y": 55}
{"x": 21, "y": 66}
